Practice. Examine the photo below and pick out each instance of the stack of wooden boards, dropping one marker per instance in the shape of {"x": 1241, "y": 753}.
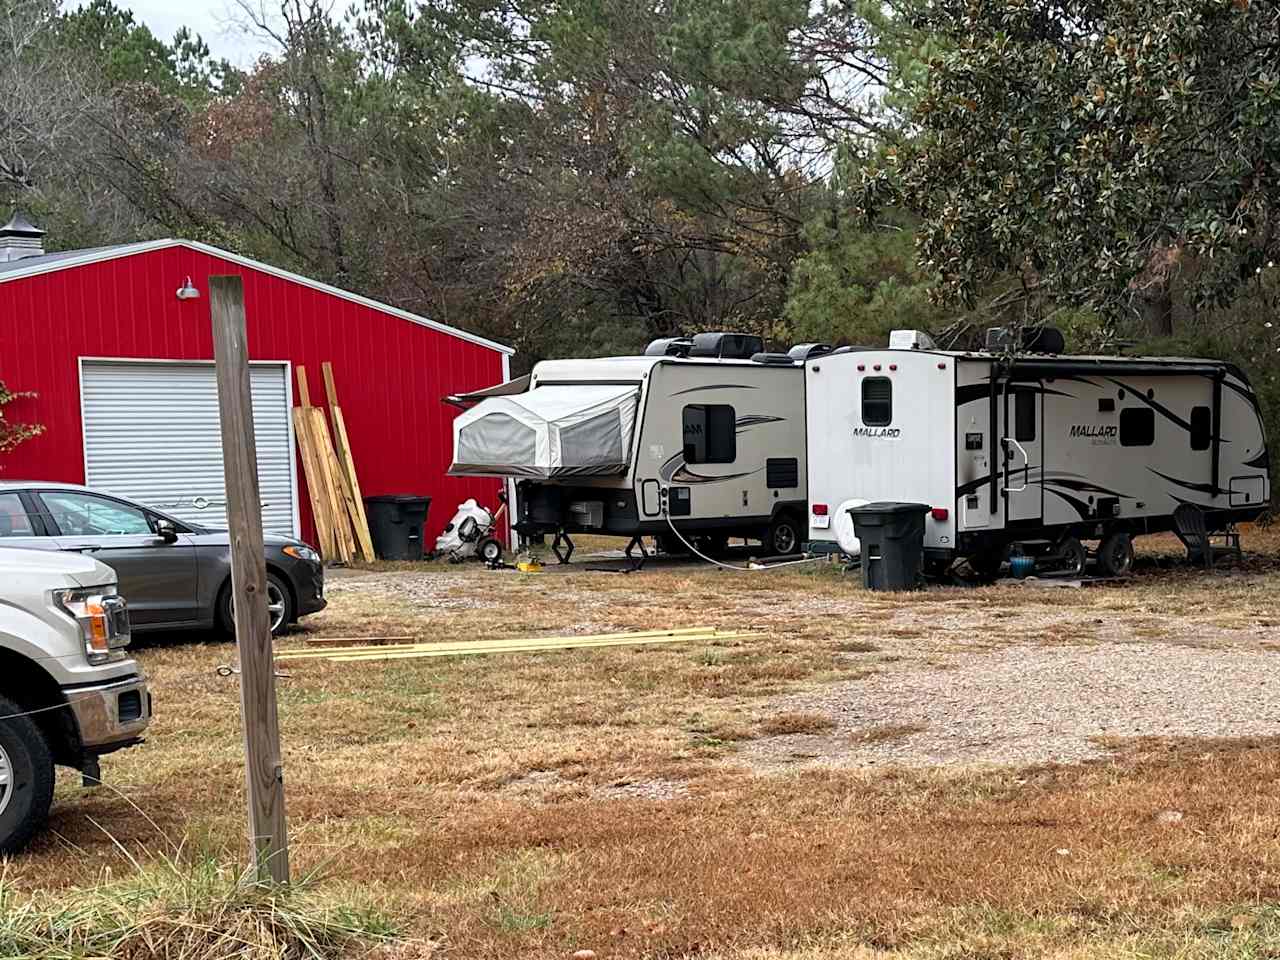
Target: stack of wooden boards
{"x": 332, "y": 485}
{"x": 356, "y": 649}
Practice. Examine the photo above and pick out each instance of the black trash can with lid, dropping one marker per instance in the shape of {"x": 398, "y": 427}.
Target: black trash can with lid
{"x": 395, "y": 524}
{"x": 892, "y": 539}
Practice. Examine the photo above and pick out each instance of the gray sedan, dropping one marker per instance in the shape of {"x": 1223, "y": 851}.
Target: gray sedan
{"x": 174, "y": 575}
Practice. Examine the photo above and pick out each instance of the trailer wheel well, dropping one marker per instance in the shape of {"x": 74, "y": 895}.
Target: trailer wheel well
{"x": 29, "y": 685}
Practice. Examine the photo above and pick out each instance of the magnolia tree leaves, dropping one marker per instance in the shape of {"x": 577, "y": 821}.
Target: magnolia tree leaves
{"x": 1106, "y": 154}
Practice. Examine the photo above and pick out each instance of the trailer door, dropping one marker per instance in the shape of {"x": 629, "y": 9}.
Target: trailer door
{"x": 1023, "y": 445}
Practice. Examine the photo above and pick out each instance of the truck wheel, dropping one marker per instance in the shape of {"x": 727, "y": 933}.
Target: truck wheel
{"x": 279, "y": 607}
{"x": 26, "y": 778}
{"x": 1115, "y": 554}
{"x": 784, "y": 535}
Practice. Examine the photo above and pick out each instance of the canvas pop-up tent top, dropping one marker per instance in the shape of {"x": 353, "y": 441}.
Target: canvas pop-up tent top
{"x": 556, "y": 431}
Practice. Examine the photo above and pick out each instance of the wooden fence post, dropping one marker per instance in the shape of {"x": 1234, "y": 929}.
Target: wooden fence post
{"x": 264, "y": 768}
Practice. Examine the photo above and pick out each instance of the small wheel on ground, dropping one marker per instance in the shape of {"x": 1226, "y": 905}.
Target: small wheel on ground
{"x": 783, "y": 537}
{"x": 26, "y": 778}
{"x": 1115, "y": 554}
{"x": 279, "y": 607}
{"x": 1073, "y": 556}
{"x": 490, "y": 550}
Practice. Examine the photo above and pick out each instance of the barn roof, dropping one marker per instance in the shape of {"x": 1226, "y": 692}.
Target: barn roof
{"x": 67, "y": 259}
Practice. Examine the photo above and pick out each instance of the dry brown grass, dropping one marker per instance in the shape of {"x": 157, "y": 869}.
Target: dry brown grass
{"x": 792, "y": 722}
{"x": 470, "y": 796}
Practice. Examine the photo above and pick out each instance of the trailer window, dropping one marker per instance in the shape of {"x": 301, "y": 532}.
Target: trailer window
{"x": 877, "y": 402}
{"x": 1024, "y": 415}
{"x": 710, "y": 433}
{"x": 1137, "y": 427}
{"x": 1201, "y": 428}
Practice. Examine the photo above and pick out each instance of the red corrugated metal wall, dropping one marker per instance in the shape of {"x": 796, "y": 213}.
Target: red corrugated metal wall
{"x": 390, "y": 372}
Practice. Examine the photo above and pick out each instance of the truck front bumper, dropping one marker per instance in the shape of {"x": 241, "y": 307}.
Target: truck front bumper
{"x": 110, "y": 715}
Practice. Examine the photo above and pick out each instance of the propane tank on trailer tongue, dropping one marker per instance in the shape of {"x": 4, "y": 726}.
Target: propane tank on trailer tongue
{"x": 911, "y": 340}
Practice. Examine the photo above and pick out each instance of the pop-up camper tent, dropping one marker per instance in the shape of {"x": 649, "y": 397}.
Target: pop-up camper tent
{"x": 555, "y": 431}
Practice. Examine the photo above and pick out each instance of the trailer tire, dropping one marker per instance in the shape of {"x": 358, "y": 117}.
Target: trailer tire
{"x": 27, "y": 792}
{"x": 783, "y": 537}
{"x": 1073, "y": 555}
{"x": 1115, "y": 554}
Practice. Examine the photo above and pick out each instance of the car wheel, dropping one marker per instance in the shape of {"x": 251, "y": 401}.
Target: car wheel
{"x": 784, "y": 535}
{"x": 26, "y": 778}
{"x": 1115, "y": 554}
{"x": 279, "y": 607}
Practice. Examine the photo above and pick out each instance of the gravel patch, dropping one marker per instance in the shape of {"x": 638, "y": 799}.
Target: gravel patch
{"x": 433, "y": 590}
{"x": 1032, "y": 704}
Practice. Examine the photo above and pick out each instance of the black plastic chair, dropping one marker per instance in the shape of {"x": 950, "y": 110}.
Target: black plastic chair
{"x": 1192, "y": 529}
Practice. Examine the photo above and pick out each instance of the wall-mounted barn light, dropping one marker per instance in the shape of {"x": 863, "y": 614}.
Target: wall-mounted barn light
{"x": 188, "y": 291}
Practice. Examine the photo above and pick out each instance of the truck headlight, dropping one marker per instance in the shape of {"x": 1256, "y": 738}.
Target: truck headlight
{"x": 103, "y": 620}
{"x": 301, "y": 551}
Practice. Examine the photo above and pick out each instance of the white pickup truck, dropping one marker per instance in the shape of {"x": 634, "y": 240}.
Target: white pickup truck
{"x": 68, "y": 691}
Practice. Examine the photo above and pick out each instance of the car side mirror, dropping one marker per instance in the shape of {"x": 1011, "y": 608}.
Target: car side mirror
{"x": 167, "y": 531}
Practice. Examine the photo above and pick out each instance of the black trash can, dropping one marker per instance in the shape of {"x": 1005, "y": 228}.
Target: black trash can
{"x": 892, "y": 539}
{"x": 395, "y": 524}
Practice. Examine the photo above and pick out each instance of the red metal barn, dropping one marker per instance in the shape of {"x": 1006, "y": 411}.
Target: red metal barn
{"x": 116, "y": 344}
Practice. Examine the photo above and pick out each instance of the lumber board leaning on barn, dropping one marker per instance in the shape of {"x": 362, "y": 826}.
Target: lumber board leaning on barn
{"x": 315, "y": 493}
{"x": 339, "y": 516}
{"x": 329, "y": 505}
{"x": 351, "y": 480}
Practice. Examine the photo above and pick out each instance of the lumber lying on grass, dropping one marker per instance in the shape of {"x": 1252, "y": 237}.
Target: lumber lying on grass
{"x": 518, "y": 645}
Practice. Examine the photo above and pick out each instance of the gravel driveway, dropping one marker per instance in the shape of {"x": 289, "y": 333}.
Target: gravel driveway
{"x": 1033, "y": 704}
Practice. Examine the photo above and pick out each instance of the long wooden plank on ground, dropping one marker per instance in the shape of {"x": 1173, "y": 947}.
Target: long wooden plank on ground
{"x": 452, "y": 651}
{"x": 362, "y": 643}
{"x": 474, "y": 647}
{"x": 350, "y": 480}
{"x": 315, "y": 493}
{"x": 338, "y": 514}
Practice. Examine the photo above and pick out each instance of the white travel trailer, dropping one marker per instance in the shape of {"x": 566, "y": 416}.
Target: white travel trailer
{"x": 1038, "y": 449}
{"x": 693, "y": 435}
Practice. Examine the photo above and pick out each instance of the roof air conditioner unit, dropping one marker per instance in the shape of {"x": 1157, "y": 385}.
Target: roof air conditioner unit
{"x": 726, "y": 346}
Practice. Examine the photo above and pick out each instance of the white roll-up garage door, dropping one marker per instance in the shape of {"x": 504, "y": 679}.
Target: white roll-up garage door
{"x": 151, "y": 434}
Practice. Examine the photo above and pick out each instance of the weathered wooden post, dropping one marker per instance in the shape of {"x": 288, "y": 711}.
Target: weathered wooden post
{"x": 264, "y": 767}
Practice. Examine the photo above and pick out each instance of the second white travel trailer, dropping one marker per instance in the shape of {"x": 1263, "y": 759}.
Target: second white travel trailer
{"x": 694, "y": 438}
{"x": 1035, "y": 451}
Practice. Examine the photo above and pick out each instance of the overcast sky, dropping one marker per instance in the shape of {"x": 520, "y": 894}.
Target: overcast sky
{"x": 209, "y": 18}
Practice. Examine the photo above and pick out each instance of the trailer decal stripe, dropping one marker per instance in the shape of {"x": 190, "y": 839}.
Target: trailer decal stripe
{"x": 713, "y": 386}
{"x": 1261, "y": 462}
{"x": 754, "y": 420}
{"x": 1154, "y": 405}
{"x": 1080, "y": 506}
{"x": 1187, "y": 484}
